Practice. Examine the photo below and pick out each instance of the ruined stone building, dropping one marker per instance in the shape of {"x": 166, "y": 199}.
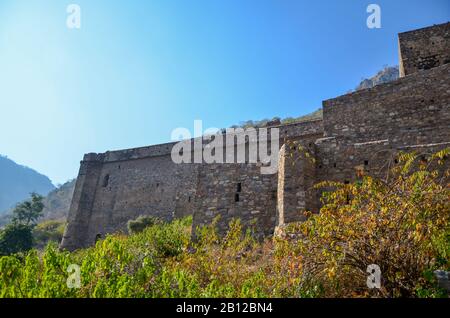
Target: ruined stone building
{"x": 359, "y": 130}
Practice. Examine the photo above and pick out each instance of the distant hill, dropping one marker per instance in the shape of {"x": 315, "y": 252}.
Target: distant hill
{"x": 17, "y": 182}
{"x": 388, "y": 74}
{"x": 57, "y": 202}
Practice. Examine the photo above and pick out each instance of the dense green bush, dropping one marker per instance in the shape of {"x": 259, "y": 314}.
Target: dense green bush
{"x": 15, "y": 238}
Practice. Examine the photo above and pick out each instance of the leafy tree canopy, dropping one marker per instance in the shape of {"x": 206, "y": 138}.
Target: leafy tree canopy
{"x": 28, "y": 212}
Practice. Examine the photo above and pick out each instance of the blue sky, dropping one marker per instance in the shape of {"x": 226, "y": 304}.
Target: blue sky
{"x": 136, "y": 70}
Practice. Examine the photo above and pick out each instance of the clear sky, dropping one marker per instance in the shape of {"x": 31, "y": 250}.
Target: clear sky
{"x": 136, "y": 70}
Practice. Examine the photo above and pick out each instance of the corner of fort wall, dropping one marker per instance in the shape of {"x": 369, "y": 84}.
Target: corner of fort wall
{"x": 424, "y": 49}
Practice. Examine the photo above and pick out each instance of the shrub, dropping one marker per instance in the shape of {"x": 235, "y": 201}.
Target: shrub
{"x": 15, "y": 238}
{"x": 401, "y": 225}
{"x": 167, "y": 239}
{"x": 139, "y": 224}
{"x": 48, "y": 231}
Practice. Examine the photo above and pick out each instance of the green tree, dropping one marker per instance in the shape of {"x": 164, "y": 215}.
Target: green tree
{"x": 16, "y": 238}
{"x": 28, "y": 212}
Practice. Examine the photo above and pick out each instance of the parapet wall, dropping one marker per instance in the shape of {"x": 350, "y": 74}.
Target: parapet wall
{"x": 411, "y": 110}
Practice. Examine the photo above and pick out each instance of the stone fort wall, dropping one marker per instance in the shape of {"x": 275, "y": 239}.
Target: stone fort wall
{"x": 361, "y": 130}
{"x": 118, "y": 186}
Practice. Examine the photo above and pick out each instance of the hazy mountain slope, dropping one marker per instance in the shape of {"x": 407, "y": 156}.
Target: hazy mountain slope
{"x": 57, "y": 202}
{"x": 17, "y": 182}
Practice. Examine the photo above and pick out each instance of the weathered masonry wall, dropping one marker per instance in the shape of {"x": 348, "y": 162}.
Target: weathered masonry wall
{"x": 365, "y": 130}
{"x": 236, "y": 191}
{"x": 411, "y": 110}
{"x": 296, "y": 179}
{"x": 117, "y": 186}
{"x": 122, "y": 190}
{"x": 361, "y": 133}
{"x": 241, "y": 191}
{"x": 424, "y": 49}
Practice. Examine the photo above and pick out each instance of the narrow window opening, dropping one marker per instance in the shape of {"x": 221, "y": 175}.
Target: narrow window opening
{"x": 106, "y": 181}
{"x": 239, "y": 187}
{"x": 98, "y": 237}
{"x": 335, "y": 165}
{"x": 236, "y": 197}
{"x": 366, "y": 162}
{"x": 189, "y": 199}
